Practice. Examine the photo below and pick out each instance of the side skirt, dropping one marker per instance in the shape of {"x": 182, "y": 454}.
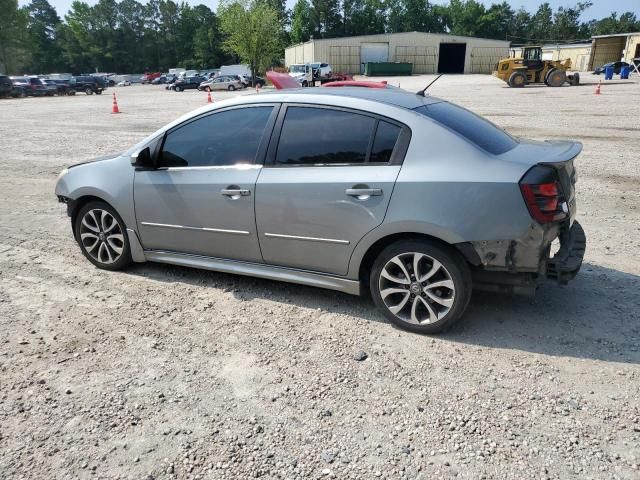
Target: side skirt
{"x": 269, "y": 272}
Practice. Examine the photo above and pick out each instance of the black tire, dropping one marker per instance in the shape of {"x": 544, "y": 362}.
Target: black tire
{"x": 453, "y": 270}
{"x": 556, "y": 78}
{"x": 517, "y": 80}
{"x": 124, "y": 258}
{"x": 231, "y": 88}
{"x": 88, "y": 91}
{"x": 178, "y": 89}
{"x": 98, "y": 92}
{"x": 575, "y": 79}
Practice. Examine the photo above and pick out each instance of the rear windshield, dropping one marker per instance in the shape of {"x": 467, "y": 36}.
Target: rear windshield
{"x": 474, "y": 128}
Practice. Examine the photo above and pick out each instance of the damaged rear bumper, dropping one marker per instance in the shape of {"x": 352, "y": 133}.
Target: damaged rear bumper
{"x": 567, "y": 261}
{"x": 519, "y": 267}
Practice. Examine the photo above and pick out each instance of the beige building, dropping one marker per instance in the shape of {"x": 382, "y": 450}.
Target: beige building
{"x": 428, "y": 52}
{"x": 578, "y": 53}
{"x": 613, "y": 48}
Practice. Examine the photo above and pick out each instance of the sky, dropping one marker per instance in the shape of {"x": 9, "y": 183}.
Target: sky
{"x": 600, "y": 8}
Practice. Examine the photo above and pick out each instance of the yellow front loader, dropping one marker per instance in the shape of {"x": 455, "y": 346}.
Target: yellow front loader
{"x": 530, "y": 68}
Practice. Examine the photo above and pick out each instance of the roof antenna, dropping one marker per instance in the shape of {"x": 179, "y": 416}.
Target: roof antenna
{"x": 422, "y": 92}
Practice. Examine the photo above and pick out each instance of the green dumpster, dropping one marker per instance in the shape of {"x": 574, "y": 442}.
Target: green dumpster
{"x": 371, "y": 69}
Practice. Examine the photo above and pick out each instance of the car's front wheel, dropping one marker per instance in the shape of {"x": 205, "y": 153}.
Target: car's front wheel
{"x": 231, "y": 88}
{"x": 102, "y": 236}
{"x": 420, "y": 285}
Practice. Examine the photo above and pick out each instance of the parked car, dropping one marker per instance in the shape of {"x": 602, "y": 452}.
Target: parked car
{"x": 411, "y": 197}
{"x": 188, "y": 83}
{"x": 160, "y": 80}
{"x": 6, "y": 87}
{"x": 64, "y": 87}
{"x": 616, "y": 67}
{"x": 247, "y": 81}
{"x": 150, "y": 77}
{"x": 223, "y": 82}
{"x": 32, "y": 86}
{"x": 51, "y": 86}
{"x": 124, "y": 83}
{"x": 88, "y": 84}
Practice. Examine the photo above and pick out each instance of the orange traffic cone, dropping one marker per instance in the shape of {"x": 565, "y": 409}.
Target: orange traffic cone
{"x": 598, "y": 88}
{"x": 115, "y": 104}
{"x": 209, "y": 99}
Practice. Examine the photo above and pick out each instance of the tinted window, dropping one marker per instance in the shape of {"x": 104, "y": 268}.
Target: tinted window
{"x": 471, "y": 126}
{"x": 224, "y": 138}
{"x": 323, "y": 136}
{"x": 386, "y": 137}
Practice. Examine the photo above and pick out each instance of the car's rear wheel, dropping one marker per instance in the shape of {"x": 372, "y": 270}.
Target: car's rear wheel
{"x": 231, "y": 88}
{"x": 102, "y": 236}
{"x": 88, "y": 91}
{"x": 178, "y": 89}
{"x": 420, "y": 285}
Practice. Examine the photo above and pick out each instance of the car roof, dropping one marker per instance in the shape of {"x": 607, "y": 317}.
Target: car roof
{"x": 392, "y": 96}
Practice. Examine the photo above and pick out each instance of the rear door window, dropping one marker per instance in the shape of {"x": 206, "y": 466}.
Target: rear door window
{"x": 324, "y": 136}
{"x": 473, "y": 127}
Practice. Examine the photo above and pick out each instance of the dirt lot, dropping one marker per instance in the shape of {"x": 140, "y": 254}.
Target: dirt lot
{"x": 167, "y": 372}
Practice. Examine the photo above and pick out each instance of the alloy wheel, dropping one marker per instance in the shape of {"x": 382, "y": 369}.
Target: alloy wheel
{"x": 416, "y": 288}
{"x": 101, "y": 236}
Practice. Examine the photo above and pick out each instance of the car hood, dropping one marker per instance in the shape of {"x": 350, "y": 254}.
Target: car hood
{"x": 98, "y": 159}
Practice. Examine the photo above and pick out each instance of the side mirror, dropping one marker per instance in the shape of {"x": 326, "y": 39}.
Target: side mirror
{"x": 142, "y": 158}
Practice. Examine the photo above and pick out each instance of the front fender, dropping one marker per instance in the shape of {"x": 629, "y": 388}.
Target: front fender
{"x": 110, "y": 180}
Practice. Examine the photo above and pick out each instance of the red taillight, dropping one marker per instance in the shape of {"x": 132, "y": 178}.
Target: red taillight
{"x": 544, "y": 201}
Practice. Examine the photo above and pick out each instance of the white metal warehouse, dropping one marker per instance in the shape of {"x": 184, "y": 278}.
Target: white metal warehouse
{"x": 428, "y": 52}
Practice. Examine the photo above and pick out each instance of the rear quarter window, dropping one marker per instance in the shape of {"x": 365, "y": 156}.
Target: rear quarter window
{"x": 473, "y": 127}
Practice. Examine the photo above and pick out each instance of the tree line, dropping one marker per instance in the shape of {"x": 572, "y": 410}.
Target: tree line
{"x": 132, "y": 36}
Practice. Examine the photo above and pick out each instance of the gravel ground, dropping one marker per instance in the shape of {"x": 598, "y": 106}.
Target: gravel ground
{"x": 168, "y": 372}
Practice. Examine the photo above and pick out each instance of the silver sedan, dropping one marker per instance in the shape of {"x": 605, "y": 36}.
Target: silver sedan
{"x": 221, "y": 83}
{"x": 411, "y": 198}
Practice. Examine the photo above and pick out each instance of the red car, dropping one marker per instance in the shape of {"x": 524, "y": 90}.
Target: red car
{"x": 359, "y": 83}
{"x": 149, "y": 77}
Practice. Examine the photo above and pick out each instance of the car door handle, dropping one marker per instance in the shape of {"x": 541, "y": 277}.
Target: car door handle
{"x": 235, "y": 192}
{"x": 363, "y": 193}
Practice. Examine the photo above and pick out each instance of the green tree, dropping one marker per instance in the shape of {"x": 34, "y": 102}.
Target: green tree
{"x": 43, "y": 24}
{"x": 301, "y": 22}
{"x": 464, "y": 16}
{"x": 326, "y": 18}
{"x": 253, "y": 32}
{"x": 13, "y": 33}
{"x": 541, "y": 25}
{"x": 567, "y": 24}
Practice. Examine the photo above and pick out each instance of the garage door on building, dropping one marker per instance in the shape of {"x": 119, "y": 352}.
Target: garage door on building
{"x": 373, "y": 52}
{"x": 484, "y": 59}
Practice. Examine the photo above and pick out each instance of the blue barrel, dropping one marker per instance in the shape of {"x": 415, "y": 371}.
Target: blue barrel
{"x": 608, "y": 73}
{"x": 624, "y": 72}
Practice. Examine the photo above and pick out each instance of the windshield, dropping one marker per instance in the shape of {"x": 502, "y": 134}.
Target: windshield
{"x": 473, "y": 127}
{"x": 296, "y": 69}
